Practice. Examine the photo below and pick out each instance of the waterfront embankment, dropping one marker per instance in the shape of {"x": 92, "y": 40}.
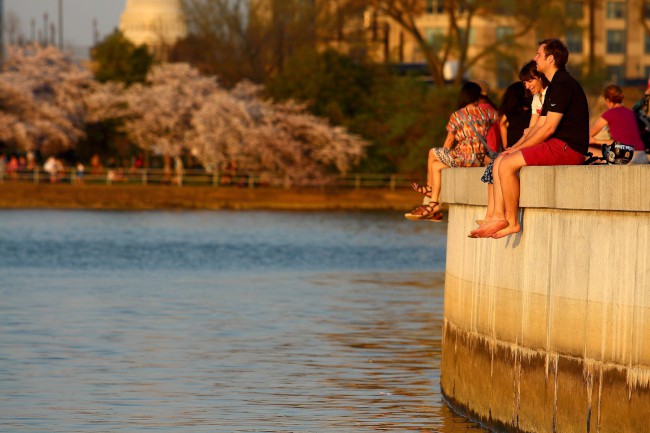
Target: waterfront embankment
{"x": 16, "y": 195}
{"x": 546, "y": 330}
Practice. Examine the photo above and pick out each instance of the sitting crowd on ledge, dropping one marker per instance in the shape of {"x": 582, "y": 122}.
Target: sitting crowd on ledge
{"x": 543, "y": 120}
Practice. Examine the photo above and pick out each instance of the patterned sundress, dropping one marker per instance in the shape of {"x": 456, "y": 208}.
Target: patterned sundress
{"x": 469, "y": 150}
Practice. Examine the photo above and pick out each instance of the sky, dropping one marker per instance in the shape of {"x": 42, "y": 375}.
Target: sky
{"x": 78, "y": 18}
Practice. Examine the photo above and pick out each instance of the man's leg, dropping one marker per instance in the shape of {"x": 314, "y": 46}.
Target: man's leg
{"x": 509, "y": 177}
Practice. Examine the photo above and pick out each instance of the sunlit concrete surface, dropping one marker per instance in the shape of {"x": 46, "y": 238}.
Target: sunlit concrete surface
{"x": 547, "y": 330}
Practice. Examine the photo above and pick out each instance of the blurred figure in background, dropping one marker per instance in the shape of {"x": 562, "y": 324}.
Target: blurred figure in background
{"x": 616, "y": 124}
{"x": 642, "y": 111}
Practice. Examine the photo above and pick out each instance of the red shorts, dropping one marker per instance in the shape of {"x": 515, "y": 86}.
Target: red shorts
{"x": 552, "y": 152}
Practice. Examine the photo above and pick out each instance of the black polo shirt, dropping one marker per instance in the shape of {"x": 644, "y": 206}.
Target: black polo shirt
{"x": 565, "y": 95}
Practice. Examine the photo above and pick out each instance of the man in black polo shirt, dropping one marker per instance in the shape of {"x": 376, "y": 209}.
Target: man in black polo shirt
{"x": 560, "y": 137}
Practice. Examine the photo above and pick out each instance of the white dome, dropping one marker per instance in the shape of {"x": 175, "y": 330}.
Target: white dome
{"x": 153, "y": 22}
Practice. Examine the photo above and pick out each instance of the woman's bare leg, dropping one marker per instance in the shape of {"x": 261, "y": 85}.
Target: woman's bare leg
{"x": 431, "y": 160}
{"x": 495, "y": 220}
{"x": 436, "y": 168}
{"x": 430, "y": 204}
{"x": 490, "y": 206}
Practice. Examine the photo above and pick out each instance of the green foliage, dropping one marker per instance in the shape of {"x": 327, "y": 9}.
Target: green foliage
{"x": 118, "y": 59}
{"x": 593, "y": 81}
{"x": 104, "y": 139}
{"x": 330, "y": 83}
{"x": 401, "y": 116}
{"x": 406, "y": 119}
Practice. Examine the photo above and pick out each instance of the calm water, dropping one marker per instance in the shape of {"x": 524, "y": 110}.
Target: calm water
{"x": 221, "y": 322}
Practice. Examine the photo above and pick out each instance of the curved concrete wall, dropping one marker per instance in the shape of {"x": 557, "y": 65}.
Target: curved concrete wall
{"x": 549, "y": 330}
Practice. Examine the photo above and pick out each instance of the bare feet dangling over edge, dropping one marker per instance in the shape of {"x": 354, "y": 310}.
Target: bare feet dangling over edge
{"x": 511, "y": 229}
{"x": 488, "y": 229}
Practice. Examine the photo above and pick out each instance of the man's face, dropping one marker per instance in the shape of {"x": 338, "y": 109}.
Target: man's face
{"x": 543, "y": 62}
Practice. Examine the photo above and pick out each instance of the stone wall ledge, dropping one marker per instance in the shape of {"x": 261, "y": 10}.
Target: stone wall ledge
{"x": 587, "y": 187}
{"x": 546, "y": 330}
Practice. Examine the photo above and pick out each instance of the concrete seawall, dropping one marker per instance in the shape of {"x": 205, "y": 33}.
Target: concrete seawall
{"x": 549, "y": 330}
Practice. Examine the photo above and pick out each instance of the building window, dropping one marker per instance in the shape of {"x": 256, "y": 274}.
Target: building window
{"x": 434, "y": 36}
{"x": 574, "y": 40}
{"x": 435, "y": 6}
{"x": 647, "y": 72}
{"x": 503, "y": 33}
{"x": 615, "y": 41}
{"x": 471, "y": 38}
{"x": 574, "y": 9}
{"x": 646, "y": 43}
{"x": 646, "y": 11}
{"x": 615, "y": 73}
{"x": 505, "y": 75}
{"x": 615, "y": 10}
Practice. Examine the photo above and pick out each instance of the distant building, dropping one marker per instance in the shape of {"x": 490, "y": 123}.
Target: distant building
{"x": 2, "y": 30}
{"x": 621, "y": 45}
{"x": 155, "y": 23}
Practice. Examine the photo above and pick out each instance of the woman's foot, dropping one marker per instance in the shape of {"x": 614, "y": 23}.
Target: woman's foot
{"x": 506, "y": 231}
{"x": 422, "y": 189}
{"x": 429, "y": 211}
{"x": 488, "y": 229}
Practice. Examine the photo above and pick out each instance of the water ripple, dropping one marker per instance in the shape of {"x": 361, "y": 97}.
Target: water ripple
{"x": 166, "y": 322}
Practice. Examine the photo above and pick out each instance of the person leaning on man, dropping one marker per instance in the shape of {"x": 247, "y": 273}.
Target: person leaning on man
{"x": 560, "y": 137}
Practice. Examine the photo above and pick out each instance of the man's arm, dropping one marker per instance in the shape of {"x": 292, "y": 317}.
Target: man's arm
{"x": 542, "y": 131}
{"x": 527, "y": 133}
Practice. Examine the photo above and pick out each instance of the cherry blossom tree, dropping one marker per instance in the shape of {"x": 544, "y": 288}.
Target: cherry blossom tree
{"x": 278, "y": 138}
{"x": 46, "y": 101}
{"x": 179, "y": 109}
{"x": 42, "y": 94}
{"x": 160, "y": 111}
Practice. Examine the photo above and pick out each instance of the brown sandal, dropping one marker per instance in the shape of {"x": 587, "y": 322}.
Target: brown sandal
{"x": 422, "y": 189}
{"x": 425, "y": 212}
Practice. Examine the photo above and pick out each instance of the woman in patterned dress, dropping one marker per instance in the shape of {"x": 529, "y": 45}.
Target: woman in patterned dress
{"x": 463, "y": 128}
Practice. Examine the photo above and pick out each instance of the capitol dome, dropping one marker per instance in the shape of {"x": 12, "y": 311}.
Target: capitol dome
{"x": 153, "y": 22}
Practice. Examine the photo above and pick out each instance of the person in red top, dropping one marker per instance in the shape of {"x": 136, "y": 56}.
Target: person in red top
{"x": 617, "y": 123}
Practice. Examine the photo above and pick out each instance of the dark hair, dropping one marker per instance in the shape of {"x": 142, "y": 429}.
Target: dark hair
{"x": 485, "y": 94}
{"x": 613, "y": 93}
{"x": 557, "y": 49}
{"x": 469, "y": 93}
{"x": 529, "y": 72}
{"x": 514, "y": 100}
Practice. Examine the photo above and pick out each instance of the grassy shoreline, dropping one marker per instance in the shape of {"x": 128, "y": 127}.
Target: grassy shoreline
{"x": 150, "y": 197}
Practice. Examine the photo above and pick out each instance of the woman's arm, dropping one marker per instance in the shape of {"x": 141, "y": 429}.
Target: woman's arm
{"x": 503, "y": 126}
{"x": 449, "y": 141}
{"x": 595, "y": 129}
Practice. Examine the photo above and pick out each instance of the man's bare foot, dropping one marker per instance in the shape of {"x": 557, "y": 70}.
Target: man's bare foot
{"x": 488, "y": 229}
{"x": 511, "y": 229}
